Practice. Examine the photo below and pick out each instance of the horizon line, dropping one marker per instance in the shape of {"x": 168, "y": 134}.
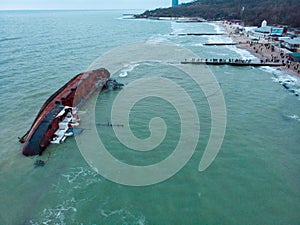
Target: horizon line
{"x": 66, "y": 9}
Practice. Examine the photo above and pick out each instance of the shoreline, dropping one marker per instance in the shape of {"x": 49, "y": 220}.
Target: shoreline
{"x": 261, "y": 49}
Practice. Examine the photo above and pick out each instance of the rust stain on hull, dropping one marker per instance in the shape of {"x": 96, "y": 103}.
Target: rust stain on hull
{"x": 74, "y": 93}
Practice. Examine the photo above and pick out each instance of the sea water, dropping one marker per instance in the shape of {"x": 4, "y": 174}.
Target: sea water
{"x": 253, "y": 180}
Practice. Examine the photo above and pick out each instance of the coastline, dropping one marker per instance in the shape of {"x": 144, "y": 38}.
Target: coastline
{"x": 260, "y": 49}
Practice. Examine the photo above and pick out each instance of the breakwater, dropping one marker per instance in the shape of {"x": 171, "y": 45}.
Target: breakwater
{"x": 197, "y": 34}
{"x": 231, "y": 62}
{"x": 224, "y": 43}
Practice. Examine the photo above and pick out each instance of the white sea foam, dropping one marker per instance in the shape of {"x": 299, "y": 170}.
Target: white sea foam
{"x": 197, "y": 45}
{"x": 270, "y": 69}
{"x": 125, "y": 216}
{"x": 159, "y": 38}
{"x": 128, "y": 68}
{"x": 282, "y": 76}
{"x": 79, "y": 178}
{"x": 177, "y": 28}
{"x": 288, "y": 81}
{"x": 58, "y": 214}
{"x": 79, "y": 172}
{"x": 218, "y": 28}
{"x": 294, "y": 117}
{"x": 219, "y": 39}
{"x": 244, "y": 54}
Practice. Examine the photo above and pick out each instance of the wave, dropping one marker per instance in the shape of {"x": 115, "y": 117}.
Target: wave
{"x": 219, "y": 39}
{"x": 80, "y": 173}
{"x": 281, "y": 76}
{"x": 288, "y": 81}
{"x": 245, "y": 54}
{"x": 58, "y": 214}
{"x": 126, "y": 217}
{"x": 218, "y": 28}
{"x": 198, "y": 45}
{"x": 272, "y": 70}
{"x": 77, "y": 178}
{"x": 128, "y": 68}
{"x": 294, "y": 117}
{"x": 63, "y": 213}
{"x": 158, "y": 38}
{"x": 177, "y": 28}
{"x": 10, "y": 39}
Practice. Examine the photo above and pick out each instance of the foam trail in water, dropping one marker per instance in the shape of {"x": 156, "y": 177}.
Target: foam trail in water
{"x": 79, "y": 173}
{"x": 58, "y": 214}
{"x": 128, "y": 68}
{"x": 125, "y": 216}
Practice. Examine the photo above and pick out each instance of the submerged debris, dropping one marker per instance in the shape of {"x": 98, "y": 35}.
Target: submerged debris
{"x": 39, "y": 162}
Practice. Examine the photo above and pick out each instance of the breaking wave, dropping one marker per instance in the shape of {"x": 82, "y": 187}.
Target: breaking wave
{"x": 294, "y": 117}
{"x": 218, "y": 28}
{"x": 128, "y": 68}
{"x": 289, "y": 82}
{"x": 245, "y": 54}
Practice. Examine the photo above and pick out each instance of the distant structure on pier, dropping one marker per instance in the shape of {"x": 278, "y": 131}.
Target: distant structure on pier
{"x": 174, "y": 3}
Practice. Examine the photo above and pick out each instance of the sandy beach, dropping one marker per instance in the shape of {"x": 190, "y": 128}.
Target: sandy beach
{"x": 262, "y": 48}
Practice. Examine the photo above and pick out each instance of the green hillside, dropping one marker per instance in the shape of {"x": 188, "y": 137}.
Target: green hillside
{"x": 252, "y": 12}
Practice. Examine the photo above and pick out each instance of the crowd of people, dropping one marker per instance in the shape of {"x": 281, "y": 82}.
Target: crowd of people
{"x": 264, "y": 49}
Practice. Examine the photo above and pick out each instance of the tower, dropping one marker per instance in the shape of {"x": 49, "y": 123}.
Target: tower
{"x": 174, "y": 3}
{"x": 264, "y": 23}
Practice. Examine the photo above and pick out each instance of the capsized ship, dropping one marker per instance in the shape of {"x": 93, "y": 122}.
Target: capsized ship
{"x": 56, "y": 118}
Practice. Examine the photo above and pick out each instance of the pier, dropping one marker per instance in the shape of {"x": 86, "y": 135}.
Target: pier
{"x": 228, "y": 43}
{"x": 198, "y": 34}
{"x": 231, "y": 62}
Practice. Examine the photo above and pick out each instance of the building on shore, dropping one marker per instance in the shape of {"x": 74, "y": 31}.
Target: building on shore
{"x": 262, "y": 31}
{"x": 292, "y": 44}
{"x": 269, "y": 31}
{"x": 174, "y": 3}
{"x": 294, "y": 56}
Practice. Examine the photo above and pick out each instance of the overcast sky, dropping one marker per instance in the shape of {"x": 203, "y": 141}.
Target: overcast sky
{"x": 85, "y": 4}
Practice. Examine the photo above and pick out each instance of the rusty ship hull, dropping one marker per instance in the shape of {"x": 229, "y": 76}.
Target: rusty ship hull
{"x": 73, "y": 94}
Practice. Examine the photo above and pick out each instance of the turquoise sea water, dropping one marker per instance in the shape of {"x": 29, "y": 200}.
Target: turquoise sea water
{"x": 253, "y": 180}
